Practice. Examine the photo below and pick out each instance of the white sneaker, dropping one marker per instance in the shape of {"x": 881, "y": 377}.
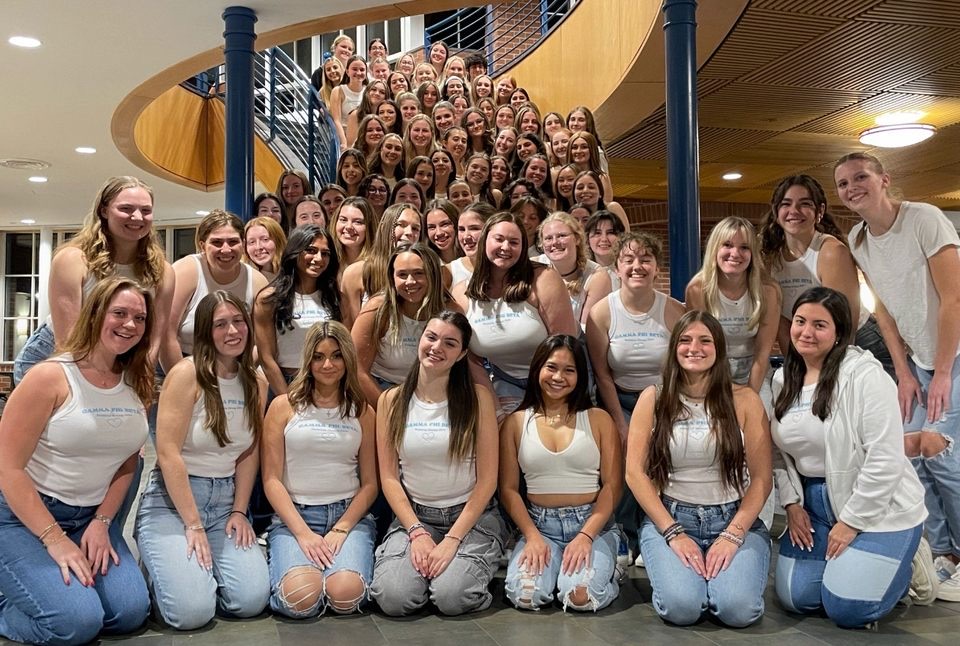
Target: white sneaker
{"x": 950, "y": 589}
{"x": 639, "y": 561}
{"x": 944, "y": 567}
{"x": 924, "y": 583}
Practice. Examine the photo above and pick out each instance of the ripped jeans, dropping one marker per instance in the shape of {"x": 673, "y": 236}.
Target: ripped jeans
{"x": 284, "y": 554}
{"x": 559, "y": 526}
{"x": 462, "y": 587}
{"x": 940, "y": 473}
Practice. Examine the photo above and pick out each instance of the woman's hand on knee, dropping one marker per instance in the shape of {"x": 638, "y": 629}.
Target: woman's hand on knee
{"x": 69, "y": 558}
{"x": 240, "y": 530}
{"x": 316, "y": 548}
{"x": 441, "y": 556}
{"x": 421, "y": 545}
{"x": 689, "y": 553}
{"x": 535, "y": 555}
{"x": 95, "y": 544}
{"x": 799, "y": 527}
{"x": 839, "y": 538}
{"x": 576, "y": 555}
{"x": 719, "y": 557}
{"x": 198, "y": 546}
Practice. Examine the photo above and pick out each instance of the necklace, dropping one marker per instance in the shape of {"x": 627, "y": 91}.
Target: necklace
{"x": 101, "y": 378}
{"x": 553, "y": 420}
{"x": 575, "y": 270}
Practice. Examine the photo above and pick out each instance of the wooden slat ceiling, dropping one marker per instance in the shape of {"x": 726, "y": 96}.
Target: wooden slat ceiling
{"x": 796, "y": 81}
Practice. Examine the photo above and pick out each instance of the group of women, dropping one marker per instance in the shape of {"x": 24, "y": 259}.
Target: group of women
{"x": 415, "y": 382}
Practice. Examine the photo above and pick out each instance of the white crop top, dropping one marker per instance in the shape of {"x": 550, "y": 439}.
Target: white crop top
{"x": 321, "y": 449}
{"x": 393, "y": 360}
{"x": 506, "y": 334}
{"x": 307, "y": 310}
{"x": 241, "y": 287}
{"x": 576, "y": 469}
{"x": 638, "y": 344}
{"x": 696, "y": 476}
{"x": 87, "y": 439}
{"x": 458, "y": 272}
{"x": 425, "y": 468}
{"x": 802, "y": 435}
{"x": 202, "y": 455}
{"x": 734, "y": 316}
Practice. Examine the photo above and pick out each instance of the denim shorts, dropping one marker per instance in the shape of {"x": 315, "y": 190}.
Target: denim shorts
{"x": 39, "y": 347}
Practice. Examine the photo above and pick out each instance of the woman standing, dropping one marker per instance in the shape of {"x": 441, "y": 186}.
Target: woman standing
{"x": 513, "y": 304}
{"x": 303, "y": 293}
{"x": 438, "y": 469}
{"x": 64, "y": 473}
{"x": 854, "y": 505}
{"x": 320, "y": 474}
{"x": 194, "y": 507}
{"x": 919, "y": 299}
{"x": 733, "y": 288}
{"x": 569, "y": 456}
{"x": 698, "y": 462}
{"x": 373, "y": 95}
{"x": 345, "y": 98}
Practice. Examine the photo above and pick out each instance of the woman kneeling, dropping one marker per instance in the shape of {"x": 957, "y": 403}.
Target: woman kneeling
{"x": 698, "y": 461}
{"x": 569, "y": 455}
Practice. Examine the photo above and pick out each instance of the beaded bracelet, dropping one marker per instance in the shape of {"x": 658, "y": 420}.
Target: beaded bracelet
{"x": 673, "y": 533}
{"x": 456, "y": 538}
{"x": 589, "y": 537}
{"x": 337, "y": 530}
{"x": 196, "y": 528}
{"x": 106, "y": 520}
{"x": 414, "y": 527}
{"x": 733, "y": 538}
{"x": 56, "y": 540}
{"x": 670, "y": 528}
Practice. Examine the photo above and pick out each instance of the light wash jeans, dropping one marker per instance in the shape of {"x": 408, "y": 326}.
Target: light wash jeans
{"x": 680, "y": 595}
{"x": 463, "y": 587}
{"x": 37, "y": 607}
{"x": 38, "y": 347}
{"x": 356, "y": 553}
{"x": 559, "y": 526}
{"x": 509, "y": 389}
{"x": 940, "y": 474}
{"x": 858, "y": 587}
{"x": 187, "y": 596}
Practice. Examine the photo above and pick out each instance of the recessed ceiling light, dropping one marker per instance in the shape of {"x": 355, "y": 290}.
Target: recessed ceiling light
{"x": 24, "y": 41}
{"x": 85, "y": 150}
{"x": 28, "y": 221}
{"x": 732, "y": 176}
{"x": 203, "y": 213}
{"x": 38, "y": 179}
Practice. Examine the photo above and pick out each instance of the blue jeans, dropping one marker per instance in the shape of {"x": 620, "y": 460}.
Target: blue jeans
{"x": 356, "y": 553}
{"x": 463, "y": 587}
{"x": 856, "y": 588}
{"x": 186, "y": 595}
{"x": 680, "y": 595}
{"x": 868, "y": 337}
{"x": 37, "y": 607}
{"x": 509, "y": 389}
{"x": 628, "y": 513}
{"x": 940, "y": 474}
{"x": 559, "y": 526}
{"x": 38, "y": 347}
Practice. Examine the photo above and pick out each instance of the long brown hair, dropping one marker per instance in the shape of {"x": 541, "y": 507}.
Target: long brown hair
{"x": 205, "y": 360}
{"x": 135, "y": 363}
{"x": 518, "y": 282}
{"x": 773, "y": 239}
{"x": 300, "y": 393}
{"x": 721, "y": 413}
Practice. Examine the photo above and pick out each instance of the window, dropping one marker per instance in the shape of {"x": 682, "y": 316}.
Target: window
{"x": 183, "y": 243}
{"x": 19, "y": 305}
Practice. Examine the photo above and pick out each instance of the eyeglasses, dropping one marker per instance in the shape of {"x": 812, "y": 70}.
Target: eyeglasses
{"x": 376, "y": 189}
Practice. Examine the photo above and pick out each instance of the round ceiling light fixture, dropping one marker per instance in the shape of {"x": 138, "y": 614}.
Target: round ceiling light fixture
{"x": 85, "y": 150}
{"x": 38, "y": 179}
{"x": 897, "y": 135}
{"x": 24, "y": 41}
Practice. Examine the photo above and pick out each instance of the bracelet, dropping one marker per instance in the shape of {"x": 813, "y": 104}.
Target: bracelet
{"x": 46, "y": 530}
{"x": 56, "y": 540}
{"x": 738, "y": 527}
{"x": 337, "y": 530}
{"x": 733, "y": 538}
{"x": 673, "y": 531}
{"x": 237, "y": 511}
{"x": 106, "y": 520}
{"x": 418, "y": 535}
{"x": 414, "y": 527}
{"x": 196, "y": 528}
{"x": 589, "y": 537}
{"x": 456, "y": 538}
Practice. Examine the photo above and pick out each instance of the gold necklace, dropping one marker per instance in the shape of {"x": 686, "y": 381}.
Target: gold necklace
{"x": 553, "y": 420}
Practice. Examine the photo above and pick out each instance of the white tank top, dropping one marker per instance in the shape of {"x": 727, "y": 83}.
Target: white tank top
{"x": 351, "y": 101}
{"x": 307, "y": 310}
{"x": 802, "y": 435}
{"x": 241, "y": 287}
{"x": 576, "y": 469}
{"x": 797, "y": 276}
{"x": 578, "y": 296}
{"x": 506, "y": 334}
{"x": 458, "y": 272}
{"x": 393, "y": 360}
{"x": 638, "y": 344}
{"x": 696, "y": 477}
{"x": 321, "y": 450}
{"x": 90, "y": 281}
{"x": 202, "y": 455}
{"x": 734, "y": 315}
{"x": 87, "y": 439}
{"x": 425, "y": 468}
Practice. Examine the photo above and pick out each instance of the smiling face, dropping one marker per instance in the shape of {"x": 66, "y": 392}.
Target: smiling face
{"x": 529, "y": 122}
{"x": 577, "y": 121}
{"x": 223, "y": 248}
{"x": 558, "y": 241}
{"x": 476, "y": 124}
{"x": 503, "y": 246}
{"x": 506, "y": 142}
{"x": 406, "y": 64}
{"x": 423, "y": 176}
{"x": 504, "y": 117}
{"x": 525, "y": 148}
{"x": 410, "y": 277}
{"x": 579, "y": 151}
{"x": 313, "y": 260}
{"x": 260, "y": 246}
{"x": 531, "y": 220}
{"x": 377, "y": 193}
{"x": 124, "y": 322}
{"x": 440, "y": 347}
{"x": 551, "y": 124}
{"x": 456, "y": 142}
{"x": 387, "y": 114}
{"x": 518, "y": 98}
{"x": 425, "y": 73}
{"x": 504, "y": 87}
{"x": 270, "y": 208}
{"x": 333, "y": 70}
{"x": 813, "y": 332}
{"x": 499, "y": 172}
{"x": 483, "y": 86}
{"x": 586, "y": 191}
{"x": 373, "y": 133}
{"x": 292, "y": 189}
{"x": 229, "y": 331}
{"x": 409, "y": 108}
{"x": 391, "y": 152}
{"x": 537, "y": 171}
{"x": 797, "y": 213}
{"x": 734, "y": 255}
{"x": 350, "y": 171}
{"x": 602, "y": 238}
{"x": 407, "y": 194}
{"x": 469, "y": 227}
{"x": 860, "y": 185}
{"x": 560, "y": 142}
{"x": 558, "y": 376}
{"x": 478, "y": 170}
{"x": 129, "y": 215}
{"x": 443, "y": 119}
{"x": 380, "y": 70}
{"x": 460, "y": 195}
{"x": 565, "y": 179}
{"x": 438, "y": 54}
{"x": 327, "y": 366}
{"x": 376, "y": 50}
{"x": 398, "y": 83}
{"x": 357, "y": 72}
{"x": 636, "y": 267}
{"x": 441, "y": 164}
{"x": 310, "y": 213}
{"x": 455, "y": 87}
{"x": 343, "y": 49}
{"x": 440, "y": 229}
{"x": 351, "y": 227}
{"x": 407, "y": 226}
{"x": 421, "y": 134}
{"x": 331, "y": 200}
{"x": 696, "y": 350}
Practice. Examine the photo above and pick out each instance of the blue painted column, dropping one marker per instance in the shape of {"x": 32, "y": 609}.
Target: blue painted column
{"x": 238, "y": 36}
{"x": 683, "y": 152}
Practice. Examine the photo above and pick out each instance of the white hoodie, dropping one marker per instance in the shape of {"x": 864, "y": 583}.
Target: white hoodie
{"x": 871, "y": 483}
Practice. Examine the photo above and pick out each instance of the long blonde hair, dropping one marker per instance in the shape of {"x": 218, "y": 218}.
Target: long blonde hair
{"x": 275, "y": 232}
{"x": 708, "y": 274}
{"x": 93, "y": 239}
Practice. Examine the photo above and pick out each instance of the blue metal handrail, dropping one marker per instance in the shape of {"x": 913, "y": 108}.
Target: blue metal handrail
{"x": 288, "y": 114}
{"x": 482, "y": 29}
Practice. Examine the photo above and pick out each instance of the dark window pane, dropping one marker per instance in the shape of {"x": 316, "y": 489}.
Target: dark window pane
{"x": 183, "y": 244}
{"x": 394, "y": 43}
{"x": 20, "y": 256}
